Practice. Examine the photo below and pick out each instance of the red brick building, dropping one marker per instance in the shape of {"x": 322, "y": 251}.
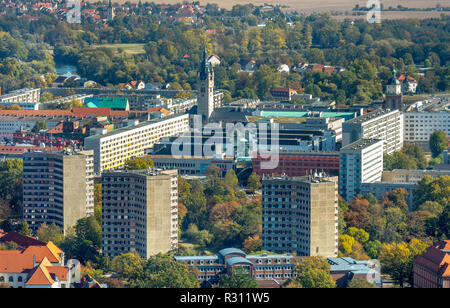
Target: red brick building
{"x": 300, "y": 163}
{"x": 432, "y": 268}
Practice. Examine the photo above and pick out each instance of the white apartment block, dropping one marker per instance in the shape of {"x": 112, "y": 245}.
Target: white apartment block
{"x": 113, "y": 149}
{"x": 27, "y": 95}
{"x": 360, "y": 162}
{"x": 386, "y": 125}
{"x": 418, "y": 126}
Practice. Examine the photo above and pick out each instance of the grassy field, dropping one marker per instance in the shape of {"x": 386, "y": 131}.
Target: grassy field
{"x": 133, "y": 49}
{"x": 308, "y": 6}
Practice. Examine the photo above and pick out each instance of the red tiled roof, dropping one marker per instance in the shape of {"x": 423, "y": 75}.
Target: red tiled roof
{"x": 21, "y": 240}
{"x": 12, "y": 261}
{"x": 49, "y": 251}
{"x": 436, "y": 258}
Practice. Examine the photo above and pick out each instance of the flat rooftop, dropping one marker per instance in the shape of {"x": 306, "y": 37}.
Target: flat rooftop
{"x": 371, "y": 115}
{"x": 132, "y": 127}
{"x": 360, "y": 144}
{"x": 305, "y": 114}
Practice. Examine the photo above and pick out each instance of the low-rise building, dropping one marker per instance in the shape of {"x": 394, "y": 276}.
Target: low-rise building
{"x": 432, "y": 268}
{"x": 267, "y": 269}
{"x": 35, "y": 264}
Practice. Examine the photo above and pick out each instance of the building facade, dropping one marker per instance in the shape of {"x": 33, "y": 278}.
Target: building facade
{"x": 360, "y": 162}
{"x": 26, "y": 95}
{"x": 192, "y": 165}
{"x": 393, "y": 99}
{"x": 113, "y": 149}
{"x": 300, "y": 215}
{"x": 386, "y": 125}
{"x": 205, "y": 84}
{"x": 432, "y": 268}
{"x": 266, "y": 269}
{"x": 299, "y": 163}
{"x": 35, "y": 264}
{"x": 418, "y": 126}
{"x": 57, "y": 188}
{"x": 139, "y": 212}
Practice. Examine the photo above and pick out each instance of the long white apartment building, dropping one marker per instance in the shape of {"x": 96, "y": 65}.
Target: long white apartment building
{"x": 418, "y": 126}
{"x": 28, "y": 95}
{"x": 386, "y": 125}
{"x": 113, "y": 149}
{"x": 360, "y": 162}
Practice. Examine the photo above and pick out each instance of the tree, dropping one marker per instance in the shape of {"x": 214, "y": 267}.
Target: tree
{"x": 360, "y": 283}
{"x": 438, "y": 142}
{"x": 161, "y": 271}
{"x": 51, "y": 233}
{"x": 357, "y": 215}
{"x": 252, "y": 244}
{"x": 40, "y": 125}
{"x": 88, "y": 228}
{"x": 240, "y": 278}
{"x": 433, "y": 189}
{"x": 397, "y": 259}
{"x": 345, "y": 244}
{"x": 24, "y": 229}
{"x": 46, "y": 97}
{"x": 128, "y": 266}
{"x": 231, "y": 179}
{"x": 202, "y": 238}
{"x": 254, "y": 182}
{"x": 358, "y": 234}
{"x": 139, "y": 163}
{"x": 314, "y": 272}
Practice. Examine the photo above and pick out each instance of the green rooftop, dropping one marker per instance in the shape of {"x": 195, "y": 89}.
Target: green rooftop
{"x": 115, "y": 103}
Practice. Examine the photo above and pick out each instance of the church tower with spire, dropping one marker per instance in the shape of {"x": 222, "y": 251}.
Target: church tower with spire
{"x": 393, "y": 93}
{"x": 205, "y": 87}
{"x": 110, "y": 13}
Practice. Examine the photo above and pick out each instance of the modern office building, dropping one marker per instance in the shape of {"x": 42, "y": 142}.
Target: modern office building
{"x": 113, "y": 149}
{"x": 300, "y": 215}
{"x": 139, "y": 212}
{"x": 360, "y": 162}
{"x": 386, "y": 125}
{"x": 193, "y": 165}
{"x": 57, "y": 188}
{"x": 418, "y": 126}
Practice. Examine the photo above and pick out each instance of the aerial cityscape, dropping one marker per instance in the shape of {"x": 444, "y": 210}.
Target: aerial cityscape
{"x": 202, "y": 146}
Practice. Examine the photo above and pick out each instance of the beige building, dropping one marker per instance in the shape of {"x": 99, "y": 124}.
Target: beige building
{"x": 410, "y": 176}
{"x": 300, "y": 215}
{"x": 57, "y": 188}
{"x": 113, "y": 149}
{"x": 139, "y": 212}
